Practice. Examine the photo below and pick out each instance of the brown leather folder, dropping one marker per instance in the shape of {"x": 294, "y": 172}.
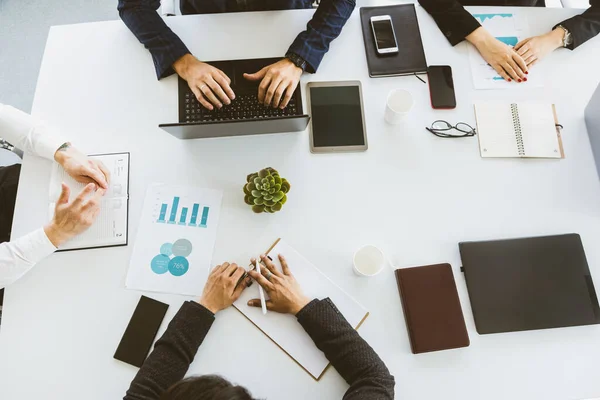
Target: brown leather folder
{"x": 432, "y": 311}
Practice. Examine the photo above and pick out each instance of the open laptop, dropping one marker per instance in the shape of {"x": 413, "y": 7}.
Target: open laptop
{"x": 244, "y": 116}
{"x": 592, "y": 120}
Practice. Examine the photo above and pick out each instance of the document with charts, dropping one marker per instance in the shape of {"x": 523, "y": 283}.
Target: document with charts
{"x": 510, "y": 29}
{"x": 111, "y": 225}
{"x": 176, "y": 237}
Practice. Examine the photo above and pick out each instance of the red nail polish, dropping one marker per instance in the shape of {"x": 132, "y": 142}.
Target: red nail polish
{"x": 510, "y": 80}
{"x": 525, "y": 79}
{"x": 527, "y": 72}
{"x": 519, "y": 80}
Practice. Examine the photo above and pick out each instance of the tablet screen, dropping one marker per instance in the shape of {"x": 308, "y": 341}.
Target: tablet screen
{"x": 336, "y": 116}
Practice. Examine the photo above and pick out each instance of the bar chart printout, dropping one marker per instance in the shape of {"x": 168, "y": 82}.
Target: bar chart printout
{"x": 181, "y": 216}
{"x": 173, "y": 249}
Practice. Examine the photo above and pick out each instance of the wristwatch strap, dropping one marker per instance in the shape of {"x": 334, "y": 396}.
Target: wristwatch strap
{"x": 568, "y": 38}
{"x": 297, "y": 60}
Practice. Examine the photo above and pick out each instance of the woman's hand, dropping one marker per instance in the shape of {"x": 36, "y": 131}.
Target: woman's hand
{"x": 500, "y": 56}
{"x": 535, "y": 48}
{"x": 222, "y": 289}
{"x": 284, "y": 291}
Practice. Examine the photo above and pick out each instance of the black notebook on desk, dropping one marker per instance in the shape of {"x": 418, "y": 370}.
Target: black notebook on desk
{"x": 410, "y": 58}
{"x": 530, "y": 283}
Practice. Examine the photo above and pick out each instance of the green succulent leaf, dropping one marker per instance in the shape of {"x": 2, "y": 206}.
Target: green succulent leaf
{"x": 277, "y": 187}
{"x": 258, "y": 209}
{"x": 278, "y": 196}
{"x": 264, "y": 193}
{"x": 246, "y": 190}
{"x": 251, "y": 187}
{"x": 277, "y": 207}
{"x": 263, "y": 173}
{"x": 256, "y": 193}
{"x": 283, "y": 200}
{"x": 277, "y": 179}
{"x": 248, "y": 200}
{"x": 268, "y": 209}
{"x": 272, "y": 190}
{"x": 251, "y": 177}
{"x": 285, "y": 186}
{"x": 268, "y": 197}
{"x": 256, "y": 181}
{"x": 270, "y": 203}
{"x": 259, "y": 201}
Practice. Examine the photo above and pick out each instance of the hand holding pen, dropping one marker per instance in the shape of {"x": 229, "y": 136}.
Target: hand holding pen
{"x": 285, "y": 294}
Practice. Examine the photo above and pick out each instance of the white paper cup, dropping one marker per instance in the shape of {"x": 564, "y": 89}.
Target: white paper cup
{"x": 368, "y": 261}
{"x": 397, "y": 106}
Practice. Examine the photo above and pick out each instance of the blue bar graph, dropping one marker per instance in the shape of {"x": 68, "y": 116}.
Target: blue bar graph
{"x": 163, "y": 212}
{"x": 204, "y": 219}
{"x": 184, "y": 211}
{"x": 174, "y": 210}
{"x": 194, "y": 215}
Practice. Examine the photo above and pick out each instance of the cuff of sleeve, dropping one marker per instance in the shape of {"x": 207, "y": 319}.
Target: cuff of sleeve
{"x": 200, "y": 308}
{"x": 307, "y": 308}
{"x": 571, "y": 26}
{"x": 164, "y": 67}
{"x": 312, "y": 61}
{"x": 455, "y": 36}
{"x": 41, "y": 246}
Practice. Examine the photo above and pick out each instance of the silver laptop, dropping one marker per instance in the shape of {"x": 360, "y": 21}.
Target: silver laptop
{"x": 592, "y": 120}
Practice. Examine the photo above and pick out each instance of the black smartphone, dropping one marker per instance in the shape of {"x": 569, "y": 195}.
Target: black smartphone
{"x": 141, "y": 331}
{"x": 441, "y": 87}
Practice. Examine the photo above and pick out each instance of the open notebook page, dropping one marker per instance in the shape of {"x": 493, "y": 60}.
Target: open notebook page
{"x": 110, "y": 227}
{"x": 495, "y": 130}
{"x": 539, "y": 130}
{"x": 284, "y": 329}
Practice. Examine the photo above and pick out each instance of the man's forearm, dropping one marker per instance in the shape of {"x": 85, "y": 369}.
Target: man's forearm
{"x": 20, "y": 255}
{"x": 326, "y": 25}
{"x": 150, "y": 29}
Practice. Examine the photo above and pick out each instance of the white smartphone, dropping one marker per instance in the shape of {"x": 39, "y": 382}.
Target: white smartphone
{"x": 385, "y": 37}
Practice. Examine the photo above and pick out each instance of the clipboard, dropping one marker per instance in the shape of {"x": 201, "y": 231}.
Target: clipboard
{"x": 258, "y": 320}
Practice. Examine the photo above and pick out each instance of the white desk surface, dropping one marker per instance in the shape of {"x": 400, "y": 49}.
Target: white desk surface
{"x": 413, "y": 194}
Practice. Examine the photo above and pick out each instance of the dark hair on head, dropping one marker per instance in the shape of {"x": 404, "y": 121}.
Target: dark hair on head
{"x": 206, "y": 387}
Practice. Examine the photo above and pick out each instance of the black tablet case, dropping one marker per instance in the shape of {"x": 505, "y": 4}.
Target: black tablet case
{"x": 530, "y": 283}
{"x": 410, "y": 58}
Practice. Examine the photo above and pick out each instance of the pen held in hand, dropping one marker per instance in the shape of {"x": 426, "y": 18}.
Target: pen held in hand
{"x": 261, "y": 292}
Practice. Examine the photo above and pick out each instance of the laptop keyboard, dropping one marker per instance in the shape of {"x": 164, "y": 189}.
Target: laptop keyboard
{"x": 243, "y": 107}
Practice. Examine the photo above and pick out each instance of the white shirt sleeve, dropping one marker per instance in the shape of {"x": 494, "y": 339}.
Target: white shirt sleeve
{"x": 28, "y": 133}
{"x": 19, "y": 256}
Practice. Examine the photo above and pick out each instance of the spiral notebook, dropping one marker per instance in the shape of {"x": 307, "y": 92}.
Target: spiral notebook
{"x": 525, "y": 130}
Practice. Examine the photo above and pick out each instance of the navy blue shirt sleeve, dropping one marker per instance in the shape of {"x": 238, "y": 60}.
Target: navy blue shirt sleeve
{"x": 141, "y": 18}
{"x": 327, "y": 23}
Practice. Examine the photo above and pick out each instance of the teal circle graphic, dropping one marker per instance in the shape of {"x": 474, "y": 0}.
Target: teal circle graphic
{"x": 160, "y": 264}
{"x": 182, "y": 247}
{"x": 179, "y": 266}
{"x": 166, "y": 249}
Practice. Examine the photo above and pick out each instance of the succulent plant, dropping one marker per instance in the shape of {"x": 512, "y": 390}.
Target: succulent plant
{"x": 266, "y": 191}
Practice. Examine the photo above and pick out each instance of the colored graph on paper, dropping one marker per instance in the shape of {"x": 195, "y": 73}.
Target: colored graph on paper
{"x": 175, "y": 241}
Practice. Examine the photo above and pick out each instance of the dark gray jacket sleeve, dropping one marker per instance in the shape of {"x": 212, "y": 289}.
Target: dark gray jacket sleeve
{"x": 173, "y": 353}
{"x": 350, "y": 355}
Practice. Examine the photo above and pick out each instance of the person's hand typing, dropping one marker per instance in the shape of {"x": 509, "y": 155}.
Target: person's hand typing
{"x": 222, "y": 289}
{"x": 285, "y": 294}
{"x": 73, "y": 217}
{"x": 500, "y": 56}
{"x": 82, "y": 168}
{"x": 210, "y": 85}
{"x": 535, "y": 48}
{"x": 278, "y": 82}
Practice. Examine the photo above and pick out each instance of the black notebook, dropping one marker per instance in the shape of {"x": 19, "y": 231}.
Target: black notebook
{"x": 530, "y": 283}
{"x": 410, "y": 58}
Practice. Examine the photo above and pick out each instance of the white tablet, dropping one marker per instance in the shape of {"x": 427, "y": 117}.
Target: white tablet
{"x": 337, "y": 122}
